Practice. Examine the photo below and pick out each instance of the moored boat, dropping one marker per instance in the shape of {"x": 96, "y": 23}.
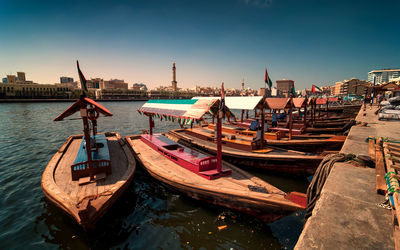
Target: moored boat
{"x": 90, "y": 171}
{"x": 239, "y": 190}
{"x": 201, "y": 176}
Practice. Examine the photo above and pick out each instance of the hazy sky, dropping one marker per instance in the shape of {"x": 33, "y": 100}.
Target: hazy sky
{"x": 312, "y": 42}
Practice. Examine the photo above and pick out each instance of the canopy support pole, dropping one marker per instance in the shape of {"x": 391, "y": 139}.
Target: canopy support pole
{"x": 241, "y": 119}
{"x": 305, "y": 114}
{"x": 247, "y": 114}
{"x": 86, "y": 131}
{"x": 262, "y": 127}
{"x": 327, "y": 115}
{"x": 219, "y": 142}
{"x": 151, "y": 124}
{"x": 291, "y": 118}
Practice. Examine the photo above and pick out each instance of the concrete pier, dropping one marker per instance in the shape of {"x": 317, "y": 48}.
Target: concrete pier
{"x": 346, "y": 216}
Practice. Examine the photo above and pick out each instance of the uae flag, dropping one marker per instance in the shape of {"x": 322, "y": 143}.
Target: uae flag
{"x": 82, "y": 78}
{"x": 222, "y": 103}
{"x": 267, "y": 79}
{"x": 316, "y": 89}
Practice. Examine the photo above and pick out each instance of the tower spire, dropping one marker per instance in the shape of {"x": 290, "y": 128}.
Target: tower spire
{"x": 174, "y": 82}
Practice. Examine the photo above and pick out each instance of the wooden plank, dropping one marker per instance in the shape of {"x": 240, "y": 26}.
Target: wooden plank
{"x": 394, "y": 184}
{"x": 396, "y": 236}
{"x": 371, "y": 148}
{"x": 380, "y": 169}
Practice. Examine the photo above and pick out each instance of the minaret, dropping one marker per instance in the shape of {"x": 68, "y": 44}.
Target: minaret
{"x": 243, "y": 84}
{"x": 174, "y": 82}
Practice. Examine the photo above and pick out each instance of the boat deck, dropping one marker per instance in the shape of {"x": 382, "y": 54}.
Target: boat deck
{"x": 62, "y": 174}
{"x": 87, "y": 202}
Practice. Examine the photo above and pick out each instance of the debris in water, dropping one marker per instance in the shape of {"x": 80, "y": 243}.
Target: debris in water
{"x": 222, "y": 227}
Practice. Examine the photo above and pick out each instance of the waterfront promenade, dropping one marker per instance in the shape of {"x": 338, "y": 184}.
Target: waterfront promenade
{"x": 346, "y": 216}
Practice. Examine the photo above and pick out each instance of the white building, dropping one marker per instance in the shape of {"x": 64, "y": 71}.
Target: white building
{"x": 384, "y": 75}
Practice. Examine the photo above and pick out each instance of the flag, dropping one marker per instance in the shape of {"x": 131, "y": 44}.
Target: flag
{"x": 316, "y": 89}
{"x": 82, "y": 78}
{"x": 267, "y": 79}
{"x": 222, "y": 103}
{"x": 293, "y": 90}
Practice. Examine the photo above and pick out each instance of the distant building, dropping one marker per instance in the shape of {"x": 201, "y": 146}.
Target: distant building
{"x": 139, "y": 86}
{"x": 284, "y": 87}
{"x": 21, "y": 77}
{"x": 384, "y": 75}
{"x": 95, "y": 83}
{"x": 352, "y": 86}
{"x": 11, "y": 79}
{"x": 4, "y": 80}
{"x": 115, "y": 84}
{"x": 65, "y": 79}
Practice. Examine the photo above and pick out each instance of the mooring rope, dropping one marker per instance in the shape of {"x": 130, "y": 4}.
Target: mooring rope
{"x": 320, "y": 177}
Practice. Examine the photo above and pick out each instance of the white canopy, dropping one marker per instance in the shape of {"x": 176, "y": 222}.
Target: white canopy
{"x": 237, "y": 102}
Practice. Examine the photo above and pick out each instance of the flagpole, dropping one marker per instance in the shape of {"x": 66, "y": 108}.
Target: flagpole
{"x": 219, "y": 130}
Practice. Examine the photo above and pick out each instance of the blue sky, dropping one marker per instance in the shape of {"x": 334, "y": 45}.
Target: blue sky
{"x": 311, "y": 42}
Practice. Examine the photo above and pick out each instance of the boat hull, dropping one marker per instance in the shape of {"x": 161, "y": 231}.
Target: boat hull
{"x": 268, "y": 207}
{"x": 293, "y": 164}
{"x": 68, "y": 196}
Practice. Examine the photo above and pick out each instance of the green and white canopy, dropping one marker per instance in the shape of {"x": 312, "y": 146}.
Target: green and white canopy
{"x": 181, "y": 109}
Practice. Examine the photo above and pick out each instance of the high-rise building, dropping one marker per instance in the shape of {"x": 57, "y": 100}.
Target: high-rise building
{"x": 242, "y": 84}
{"x": 174, "y": 83}
{"x": 384, "y": 75}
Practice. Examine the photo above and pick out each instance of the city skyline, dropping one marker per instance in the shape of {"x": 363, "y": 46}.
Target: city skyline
{"x": 309, "y": 42}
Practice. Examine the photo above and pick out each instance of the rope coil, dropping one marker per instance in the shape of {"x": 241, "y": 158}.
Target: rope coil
{"x": 320, "y": 177}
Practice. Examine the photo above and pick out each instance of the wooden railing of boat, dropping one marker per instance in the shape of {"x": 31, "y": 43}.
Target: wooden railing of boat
{"x": 81, "y": 169}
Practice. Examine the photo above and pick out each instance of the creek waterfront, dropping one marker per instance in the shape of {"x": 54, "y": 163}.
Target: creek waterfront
{"x": 147, "y": 216}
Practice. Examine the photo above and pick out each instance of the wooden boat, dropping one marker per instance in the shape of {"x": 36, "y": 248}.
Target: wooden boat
{"x": 272, "y": 159}
{"x": 201, "y": 176}
{"x": 85, "y": 179}
{"x": 243, "y": 139}
{"x": 238, "y": 190}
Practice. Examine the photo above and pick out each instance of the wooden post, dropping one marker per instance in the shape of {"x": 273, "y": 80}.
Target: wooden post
{"x": 241, "y": 119}
{"x": 262, "y": 127}
{"x": 319, "y": 110}
{"x": 213, "y": 120}
{"x": 327, "y": 113}
{"x": 291, "y": 117}
{"x": 247, "y": 114}
{"x": 219, "y": 142}
{"x": 86, "y": 132}
{"x": 150, "y": 125}
{"x": 305, "y": 114}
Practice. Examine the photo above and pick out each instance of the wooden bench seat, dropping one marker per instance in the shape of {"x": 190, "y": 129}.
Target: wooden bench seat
{"x": 201, "y": 164}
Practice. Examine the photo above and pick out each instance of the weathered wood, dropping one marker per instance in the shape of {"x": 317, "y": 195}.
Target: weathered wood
{"x": 232, "y": 191}
{"x": 394, "y": 183}
{"x": 371, "y": 148}
{"x": 278, "y": 160}
{"x": 69, "y": 196}
{"x": 380, "y": 169}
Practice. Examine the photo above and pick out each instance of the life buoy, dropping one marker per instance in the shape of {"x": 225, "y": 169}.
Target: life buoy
{"x": 93, "y": 114}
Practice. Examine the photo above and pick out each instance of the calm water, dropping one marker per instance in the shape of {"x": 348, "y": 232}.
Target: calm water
{"x": 148, "y": 215}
